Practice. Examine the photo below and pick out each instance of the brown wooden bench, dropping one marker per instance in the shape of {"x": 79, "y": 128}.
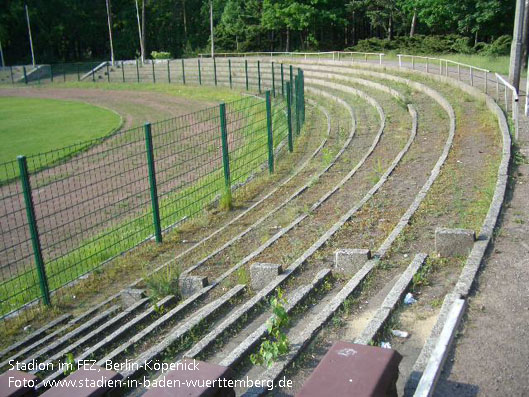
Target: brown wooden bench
{"x": 15, "y": 383}
{"x": 95, "y": 374}
{"x": 205, "y": 372}
{"x": 349, "y": 369}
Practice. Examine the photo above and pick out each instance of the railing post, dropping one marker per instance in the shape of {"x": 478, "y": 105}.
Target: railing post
{"x": 486, "y": 81}
{"x": 152, "y": 183}
{"x": 33, "y": 230}
{"x": 400, "y": 60}
{"x": 215, "y": 69}
{"x": 440, "y": 67}
{"x": 246, "y": 72}
{"x": 289, "y": 118}
{"x": 229, "y": 72}
{"x": 169, "y": 71}
{"x": 427, "y": 65}
{"x": 137, "y": 71}
{"x": 471, "y": 77}
{"x": 108, "y": 73}
{"x": 122, "y": 71}
{"x": 413, "y": 62}
{"x": 51, "y": 73}
{"x": 12, "y": 77}
{"x": 259, "y": 75}
{"x": 273, "y": 82}
{"x": 270, "y": 133}
{"x": 153, "y": 74}
{"x": 225, "y": 151}
{"x": 199, "y": 73}
{"x": 78, "y": 73}
{"x": 25, "y": 74}
{"x": 93, "y": 76}
{"x": 64, "y": 75}
{"x": 183, "y": 72}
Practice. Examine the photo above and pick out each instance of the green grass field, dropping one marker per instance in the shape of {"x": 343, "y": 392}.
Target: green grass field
{"x": 31, "y": 125}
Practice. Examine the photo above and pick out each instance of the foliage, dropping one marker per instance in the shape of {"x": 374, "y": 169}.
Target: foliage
{"x": 160, "y": 55}
{"x": 437, "y": 44}
{"x": 276, "y": 344}
{"x": 69, "y": 364}
{"x": 68, "y": 30}
{"x": 163, "y": 283}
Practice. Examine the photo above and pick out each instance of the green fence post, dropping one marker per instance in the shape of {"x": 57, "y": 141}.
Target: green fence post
{"x": 289, "y": 118}
{"x": 229, "y": 71}
{"x": 282, "y": 81}
{"x": 296, "y": 90}
{"x": 291, "y": 77}
{"x": 12, "y": 77}
{"x": 259, "y": 75}
{"x": 215, "y": 70}
{"x": 78, "y": 73}
{"x": 270, "y": 134}
{"x": 25, "y": 75}
{"x": 302, "y": 96}
{"x": 153, "y": 74}
{"x": 246, "y": 72}
{"x": 225, "y": 151}
{"x": 123, "y": 71}
{"x": 33, "y": 230}
{"x": 168, "y": 71}
{"x": 273, "y": 82}
{"x": 108, "y": 73}
{"x": 137, "y": 71}
{"x": 183, "y": 72}
{"x": 199, "y": 73}
{"x": 152, "y": 183}
{"x": 51, "y": 73}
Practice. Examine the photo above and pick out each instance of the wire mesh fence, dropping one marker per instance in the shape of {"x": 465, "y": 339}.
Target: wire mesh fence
{"x": 67, "y": 212}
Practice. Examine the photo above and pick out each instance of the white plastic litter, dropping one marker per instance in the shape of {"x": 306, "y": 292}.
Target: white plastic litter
{"x": 385, "y": 345}
{"x": 409, "y": 299}
{"x": 399, "y": 333}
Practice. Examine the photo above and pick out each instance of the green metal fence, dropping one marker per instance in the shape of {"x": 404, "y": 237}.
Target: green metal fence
{"x": 67, "y": 212}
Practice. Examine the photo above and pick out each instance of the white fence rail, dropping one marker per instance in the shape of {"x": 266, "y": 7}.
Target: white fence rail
{"x": 514, "y": 100}
{"x": 335, "y": 55}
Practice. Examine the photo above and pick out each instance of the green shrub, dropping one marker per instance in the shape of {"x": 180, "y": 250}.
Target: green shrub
{"x": 500, "y": 46}
{"x": 160, "y": 55}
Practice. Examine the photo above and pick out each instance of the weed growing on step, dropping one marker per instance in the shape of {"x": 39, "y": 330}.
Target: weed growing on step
{"x": 163, "y": 283}
{"x": 277, "y": 343}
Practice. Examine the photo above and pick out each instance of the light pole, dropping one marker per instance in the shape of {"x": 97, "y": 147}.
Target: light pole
{"x": 139, "y": 33}
{"x": 30, "y": 38}
{"x": 109, "y": 19}
{"x": 211, "y": 28}
{"x": 515, "y": 65}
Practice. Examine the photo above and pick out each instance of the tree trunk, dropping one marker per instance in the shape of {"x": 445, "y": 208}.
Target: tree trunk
{"x": 476, "y": 38}
{"x": 185, "y": 18}
{"x": 390, "y": 26}
{"x": 287, "y": 46}
{"x": 353, "y": 23}
{"x": 413, "y": 23}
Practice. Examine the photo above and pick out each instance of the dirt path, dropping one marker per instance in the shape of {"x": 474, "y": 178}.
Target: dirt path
{"x": 136, "y": 107}
{"x": 491, "y": 355}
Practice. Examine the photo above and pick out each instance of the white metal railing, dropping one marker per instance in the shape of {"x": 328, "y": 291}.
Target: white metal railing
{"x": 514, "y": 100}
{"x": 446, "y": 63}
{"x": 336, "y": 55}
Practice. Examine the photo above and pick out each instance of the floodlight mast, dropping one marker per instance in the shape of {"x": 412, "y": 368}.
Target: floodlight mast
{"x": 30, "y": 38}
{"x": 211, "y": 28}
{"x": 109, "y": 19}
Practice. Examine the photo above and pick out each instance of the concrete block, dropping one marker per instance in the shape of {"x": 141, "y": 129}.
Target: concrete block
{"x": 190, "y": 285}
{"x": 454, "y": 242}
{"x": 130, "y": 296}
{"x": 263, "y": 273}
{"x": 349, "y": 261}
